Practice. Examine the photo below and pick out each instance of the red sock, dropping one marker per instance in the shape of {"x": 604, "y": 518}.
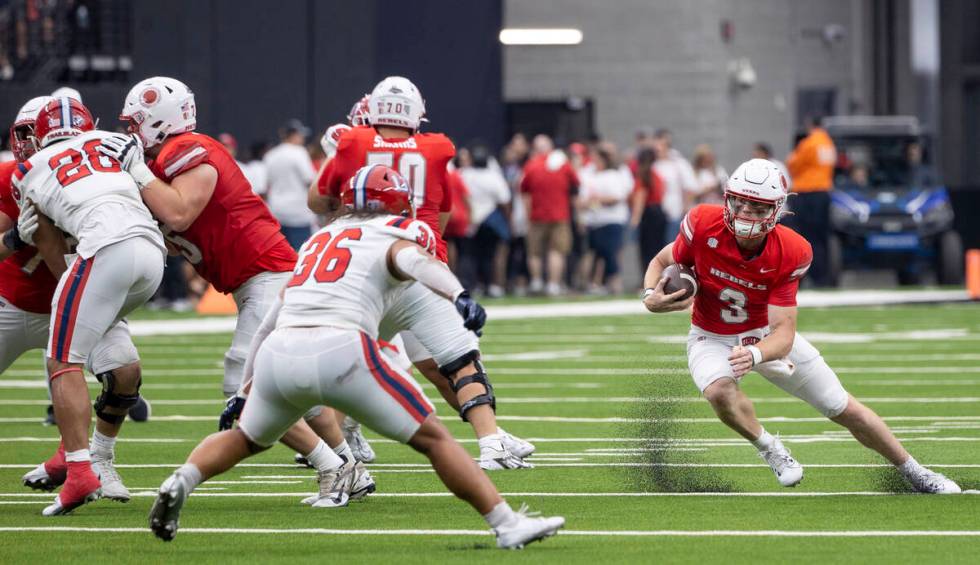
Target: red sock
{"x": 81, "y": 482}
{"x": 56, "y": 466}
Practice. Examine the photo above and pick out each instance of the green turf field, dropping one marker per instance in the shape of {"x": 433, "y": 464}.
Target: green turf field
{"x": 626, "y": 451}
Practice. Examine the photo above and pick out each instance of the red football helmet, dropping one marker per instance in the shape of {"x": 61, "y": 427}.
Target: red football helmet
{"x": 60, "y": 119}
{"x": 23, "y": 144}
{"x": 377, "y": 188}
{"x": 358, "y": 115}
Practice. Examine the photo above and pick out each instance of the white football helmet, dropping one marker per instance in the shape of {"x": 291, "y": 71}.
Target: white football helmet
{"x": 159, "y": 107}
{"x": 67, "y": 92}
{"x": 756, "y": 180}
{"x": 396, "y": 102}
{"x": 23, "y": 144}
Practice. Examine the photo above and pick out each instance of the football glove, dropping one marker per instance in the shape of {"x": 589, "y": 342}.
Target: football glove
{"x": 474, "y": 316}
{"x": 231, "y": 413}
{"x": 128, "y": 150}
{"x": 332, "y": 136}
{"x": 22, "y": 234}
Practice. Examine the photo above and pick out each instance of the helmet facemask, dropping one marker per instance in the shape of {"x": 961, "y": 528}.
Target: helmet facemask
{"x": 751, "y": 218}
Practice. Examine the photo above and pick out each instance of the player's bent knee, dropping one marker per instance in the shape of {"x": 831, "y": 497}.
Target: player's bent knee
{"x": 431, "y": 432}
{"x": 721, "y": 392}
{"x": 313, "y": 413}
{"x": 479, "y": 376}
{"x": 115, "y": 400}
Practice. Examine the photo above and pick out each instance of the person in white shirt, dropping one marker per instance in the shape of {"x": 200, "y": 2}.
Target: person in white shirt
{"x": 710, "y": 176}
{"x": 603, "y": 195}
{"x": 678, "y": 177}
{"x": 489, "y": 199}
{"x": 290, "y": 172}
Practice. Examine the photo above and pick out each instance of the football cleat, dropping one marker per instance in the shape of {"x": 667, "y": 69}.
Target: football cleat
{"x": 49, "y": 475}
{"x": 516, "y": 445}
{"x": 165, "y": 513}
{"x": 79, "y": 489}
{"x": 355, "y": 439}
{"x": 363, "y": 483}
{"x": 494, "y": 456}
{"x": 300, "y": 460}
{"x": 930, "y": 482}
{"x": 112, "y": 485}
{"x": 334, "y": 487}
{"x": 788, "y": 471}
{"x": 527, "y": 527}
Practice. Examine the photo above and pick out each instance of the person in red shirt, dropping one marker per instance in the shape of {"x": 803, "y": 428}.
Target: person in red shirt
{"x": 434, "y": 340}
{"x": 27, "y": 285}
{"x": 749, "y": 269}
{"x": 210, "y": 215}
{"x": 547, "y": 185}
{"x": 646, "y": 214}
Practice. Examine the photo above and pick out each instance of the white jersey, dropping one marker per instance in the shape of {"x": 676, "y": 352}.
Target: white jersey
{"x": 342, "y": 278}
{"x": 86, "y": 194}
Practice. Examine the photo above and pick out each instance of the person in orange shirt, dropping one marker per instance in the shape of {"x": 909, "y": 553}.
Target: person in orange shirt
{"x": 811, "y": 165}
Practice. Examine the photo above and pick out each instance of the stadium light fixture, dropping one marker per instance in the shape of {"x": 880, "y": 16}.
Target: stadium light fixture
{"x": 540, "y": 36}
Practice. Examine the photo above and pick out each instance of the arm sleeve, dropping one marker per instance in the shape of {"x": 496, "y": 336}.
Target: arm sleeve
{"x": 415, "y": 263}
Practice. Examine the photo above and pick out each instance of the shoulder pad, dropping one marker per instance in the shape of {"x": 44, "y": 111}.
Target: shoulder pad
{"x": 410, "y": 230}
{"x": 181, "y": 156}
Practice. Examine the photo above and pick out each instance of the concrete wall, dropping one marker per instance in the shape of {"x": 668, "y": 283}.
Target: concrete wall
{"x": 664, "y": 64}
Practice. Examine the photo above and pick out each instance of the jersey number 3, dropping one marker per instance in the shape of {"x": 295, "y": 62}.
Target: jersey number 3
{"x": 323, "y": 258}
{"x": 71, "y": 165}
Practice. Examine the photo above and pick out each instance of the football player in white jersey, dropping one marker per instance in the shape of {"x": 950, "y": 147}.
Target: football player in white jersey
{"x": 27, "y": 285}
{"x": 318, "y": 345}
{"x": 118, "y": 266}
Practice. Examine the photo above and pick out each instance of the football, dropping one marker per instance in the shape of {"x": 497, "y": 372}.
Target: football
{"x": 680, "y": 277}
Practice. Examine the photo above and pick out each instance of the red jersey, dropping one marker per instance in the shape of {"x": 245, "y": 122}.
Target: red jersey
{"x": 235, "y": 237}
{"x": 550, "y": 186}
{"x": 735, "y": 292}
{"x": 25, "y": 280}
{"x": 420, "y": 158}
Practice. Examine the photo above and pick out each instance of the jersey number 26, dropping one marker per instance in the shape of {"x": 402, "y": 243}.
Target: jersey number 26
{"x": 71, "y": 165}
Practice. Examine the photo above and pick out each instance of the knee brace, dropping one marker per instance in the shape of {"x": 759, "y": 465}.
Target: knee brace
{"x": 480, "y": 376}
{"x": 109, "y": 398}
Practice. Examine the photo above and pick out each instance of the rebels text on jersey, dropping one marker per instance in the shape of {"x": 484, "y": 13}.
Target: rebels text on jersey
{"x": 235, "y": 237}
{"x": 342, "y": 276}
{"x": 735, "y": 292}
{"x": 25, "y": 280}
{"x": 85, "y": 193}
{"x": 421, "y": 159}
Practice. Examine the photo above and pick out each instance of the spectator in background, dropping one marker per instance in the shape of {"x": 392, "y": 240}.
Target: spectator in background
{"x": 255, "y": 169}
{"x": 642, "y": 139}
{"x": 290, "y": 172}
{"x": 459, "y": 221}
{"x": 647, "y": 214}
{"x": 489, "y": 211}
{"x": 811, "y": 165}
{"x": 919, "y": 174}
{"x": 231, "y": 144}
{"x": 602, "y": 198}
{"x": 678, "y": 178}
{"x": 515, "y": 155}
{"x": 547, "y": 187}
{"x": 710, "y": 176}
{"x": 858, "y": 177}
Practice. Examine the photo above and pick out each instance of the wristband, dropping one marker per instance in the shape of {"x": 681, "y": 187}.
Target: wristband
{"x": 756, "y": 354}
{"x": 647, "y": 292}
{"x": 142, "y": 175}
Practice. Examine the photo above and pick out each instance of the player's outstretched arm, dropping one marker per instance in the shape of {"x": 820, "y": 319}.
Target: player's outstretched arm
{"x": 409, "y": 261}
{"x": 776, "y": 345}
{"x": 653, "y": 282}
{"x": 178, "y": 204}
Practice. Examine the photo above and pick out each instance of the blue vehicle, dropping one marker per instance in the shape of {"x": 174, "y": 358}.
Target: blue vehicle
{"x": 889, "y": 209}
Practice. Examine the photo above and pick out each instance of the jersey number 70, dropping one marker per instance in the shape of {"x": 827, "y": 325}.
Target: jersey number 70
{"x": 410, "y": 165}
{"x": 323, "y": 258}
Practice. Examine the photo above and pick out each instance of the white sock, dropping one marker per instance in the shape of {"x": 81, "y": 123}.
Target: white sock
{"x": 323, "y": 458}
{"x": 500, "y": 515}
{"x": 909, "y": 467}
{"x": 343, "y": 450}
{"x": 103, "y": 444}
{"x": 76, "y": 456}
{"x": 191, "y": 474}
{"x": 764, "y": 441}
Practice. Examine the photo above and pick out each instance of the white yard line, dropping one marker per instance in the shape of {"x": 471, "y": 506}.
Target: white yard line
{"x": 486, "y": 533}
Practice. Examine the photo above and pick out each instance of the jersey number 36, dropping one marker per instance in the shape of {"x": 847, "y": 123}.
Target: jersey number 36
{"x": 323, "y": 258}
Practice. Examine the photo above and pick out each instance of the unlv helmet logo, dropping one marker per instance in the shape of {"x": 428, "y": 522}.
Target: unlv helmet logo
{"x": 395, "y": 90}
{"x": 149, "y": 97}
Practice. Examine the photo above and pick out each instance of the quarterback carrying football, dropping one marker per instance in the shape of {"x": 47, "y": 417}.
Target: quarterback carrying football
{"x": 744, "y": 319}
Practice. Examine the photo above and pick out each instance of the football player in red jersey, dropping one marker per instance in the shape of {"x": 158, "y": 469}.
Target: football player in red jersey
{"x": 447, "y": 357}
{"x": 744, "y": 319}
{"x": 27, "y": 286}
{"x": 210, "y": 214}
